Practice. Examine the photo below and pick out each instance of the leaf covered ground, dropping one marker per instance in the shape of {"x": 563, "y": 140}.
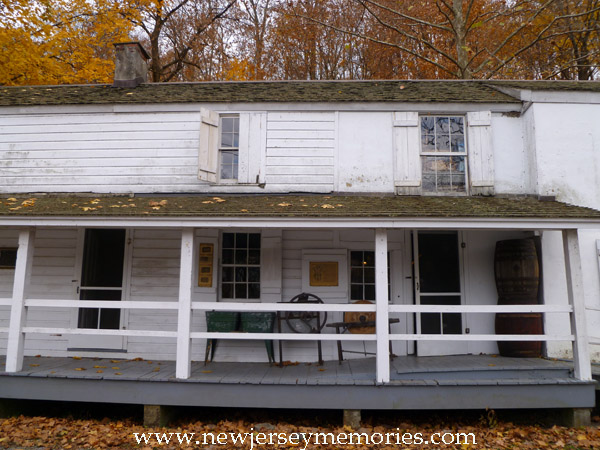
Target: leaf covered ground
{"x": 31, "y": 432}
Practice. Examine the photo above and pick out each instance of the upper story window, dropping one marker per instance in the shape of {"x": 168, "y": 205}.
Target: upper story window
{"x": 240, "y": 266}
{"x": 443, "y": 154}
{"x": 229, "y": 145}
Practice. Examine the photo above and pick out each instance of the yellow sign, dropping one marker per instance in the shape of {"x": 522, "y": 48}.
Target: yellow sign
{"x": 205, "y": 265}
{"x": 324, "y": 273}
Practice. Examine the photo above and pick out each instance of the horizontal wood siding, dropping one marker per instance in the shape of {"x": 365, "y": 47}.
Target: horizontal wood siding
{"x": 8, "y": 239}
{"x": 301, "y": 151}
{"x": 53, "y": 271}
{"x": 101, "y": 152}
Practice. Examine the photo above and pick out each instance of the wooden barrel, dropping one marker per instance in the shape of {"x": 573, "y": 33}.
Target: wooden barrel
{"x": 520, "y": 323}
{"x": 517, "y": 270}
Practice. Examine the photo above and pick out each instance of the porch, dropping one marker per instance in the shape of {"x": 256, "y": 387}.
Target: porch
{"x": 416, "y": 383}
{"x": 178, "y": 320}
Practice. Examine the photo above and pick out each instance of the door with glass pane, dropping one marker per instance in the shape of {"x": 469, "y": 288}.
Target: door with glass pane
{"x": 102, "y": 268}
{"x": 438, "y": 281}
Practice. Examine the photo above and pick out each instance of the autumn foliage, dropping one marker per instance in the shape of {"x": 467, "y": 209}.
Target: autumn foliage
{"x": 44, "y": 432}
{"x": 70, "y": 41}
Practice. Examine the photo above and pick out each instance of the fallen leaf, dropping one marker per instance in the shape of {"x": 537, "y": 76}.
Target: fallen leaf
{"x": 115, "y": 368}
{"x": 207, "y": 371}
{"x": 218, "y": 199}
{"x": 118, "y": 373}
{"x": 34, "y": 365}
{"x": 243, "y": 210}
{"x": 284, "y": 204}
{"x": 156, "y": 207}
{"x": 99, "y": 367}
{"x": 79, "y": 369}
{"x": 15, "y": 208}
{"x": 114, "y": 361}
{"x": 77, "y": 357}
{"x": 99, "y": 371}
{"x": 207, "y": 201}
{"x": 12, "y": 199}
{"x": 327, "y": 206}
{"x": 156, "y": 370}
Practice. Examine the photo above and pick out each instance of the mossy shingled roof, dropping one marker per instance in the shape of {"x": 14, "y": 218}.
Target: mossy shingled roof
{"x": 253, "y": 92}
{"x": 321, "y": 206}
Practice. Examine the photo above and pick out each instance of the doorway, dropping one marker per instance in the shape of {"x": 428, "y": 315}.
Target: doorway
{"x": 102, "y": 272}
{"x": 438, "y": 281}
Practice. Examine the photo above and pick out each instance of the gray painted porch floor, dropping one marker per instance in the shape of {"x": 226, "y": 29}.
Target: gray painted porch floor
{"x": 406, "y": 370}
{"x": 417, "y": 383}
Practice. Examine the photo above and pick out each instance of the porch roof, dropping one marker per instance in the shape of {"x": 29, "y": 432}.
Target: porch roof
{"x": 292, "y": 206}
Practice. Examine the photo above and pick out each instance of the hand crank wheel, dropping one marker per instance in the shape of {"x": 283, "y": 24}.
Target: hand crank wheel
{"x": 306, "y": 321}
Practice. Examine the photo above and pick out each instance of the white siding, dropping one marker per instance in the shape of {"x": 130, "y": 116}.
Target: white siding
{"x": 54, "y": 259}
{"x": 101, "y": 152}
{"x": 300, "y": 151}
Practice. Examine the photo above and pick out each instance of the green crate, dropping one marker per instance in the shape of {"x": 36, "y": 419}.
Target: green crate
{"x": 260, "y": 322}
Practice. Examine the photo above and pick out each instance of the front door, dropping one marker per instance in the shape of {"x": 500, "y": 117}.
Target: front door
{"x": 102, "y": 264}
{"x": 438, "y": 282}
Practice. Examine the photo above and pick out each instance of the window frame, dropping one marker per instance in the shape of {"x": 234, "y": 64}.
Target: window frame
{"x": 464, "y": 154}
{"x": 222, "y": 266}
{"x": 221, "y": 149}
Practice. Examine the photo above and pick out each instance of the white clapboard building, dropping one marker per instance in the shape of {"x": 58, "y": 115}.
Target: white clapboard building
{"x": 129, "y": 213}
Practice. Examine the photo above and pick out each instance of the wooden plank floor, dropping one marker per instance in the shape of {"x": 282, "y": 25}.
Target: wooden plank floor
{"x": 444, "y": 382}
{"x": 350, "y": 372}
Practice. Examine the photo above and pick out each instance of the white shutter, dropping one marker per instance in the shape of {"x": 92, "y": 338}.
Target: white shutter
{"x": 271, "y": 266}
{"x": 407, "y": 147}
{"x": 480, "y": 152}
{"x": 208, "y": 147}
{"x": 252, "y": 152}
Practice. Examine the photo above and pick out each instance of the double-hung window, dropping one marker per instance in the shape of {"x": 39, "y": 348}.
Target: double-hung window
{"x": 443, "y": 155}
{"x": 229, "y": 146}
{"x": 240, "y": 266}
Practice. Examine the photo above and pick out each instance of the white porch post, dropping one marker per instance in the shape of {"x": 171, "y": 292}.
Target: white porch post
{"x": 581, "y": 355}
{"x": 18, "y": 312}
{"x": 381, "y": 299}
{"x": 184, "y": 314}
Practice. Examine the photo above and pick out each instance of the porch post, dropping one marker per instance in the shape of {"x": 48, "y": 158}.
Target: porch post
{"x": 381, "y": 299}
{"x": 184, "y": 314}
{"x": 18, "y": 312}
{"x": 581, "y": 355}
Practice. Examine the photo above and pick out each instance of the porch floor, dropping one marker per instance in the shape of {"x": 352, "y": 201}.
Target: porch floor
{"x": 438, "y": 382}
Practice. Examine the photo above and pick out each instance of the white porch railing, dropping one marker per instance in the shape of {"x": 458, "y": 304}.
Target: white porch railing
{"x": 284, "y": 307}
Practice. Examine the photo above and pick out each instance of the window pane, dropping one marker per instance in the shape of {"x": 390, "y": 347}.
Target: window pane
{"x": 240, "y": 291}
{"x": 254, "y": 274}
{"x": 110, "y": 319}
{"x": 226, "y": 172}
{"x": 427, "y": 125}
{"x": 227, "y": 124}
{"x": 241, "y": 240}
{"x": 254, "y": 290}
{"x": 457, "y": 125}
{"x": 369, "y": 258}
{"x": 254, "y": 257}
{"x": 227, "y": 290}
{"x": 88, "y": 318}
{"x": 430, "y": 323}
{"x": 458, "y": 143}
{"x": 442, "y": 125}
{"x": 240, "y": 274}
{"x": 355, "y": 259}
{"x": 254, "y": 240}
{"x": 227, "y": 256}
{"x": 103, "y": 258}
{"x": 356, "y": 275}
{"x": 369, "y": 274}
{"x": 228, "y": 240}
{"x": 226, "y": 140}
{"x": 451, "y": 323}
{"x": 427, "y": 143}
{"x": 241, "y": 256}
{"x": 356, "y": 292}
{"x": 227, "y": 274}
{"x": 442, "y": 142}
{"x": 369, "y": 292}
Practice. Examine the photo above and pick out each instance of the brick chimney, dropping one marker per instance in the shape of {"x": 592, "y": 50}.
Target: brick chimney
{"x": 130, "y": 64}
